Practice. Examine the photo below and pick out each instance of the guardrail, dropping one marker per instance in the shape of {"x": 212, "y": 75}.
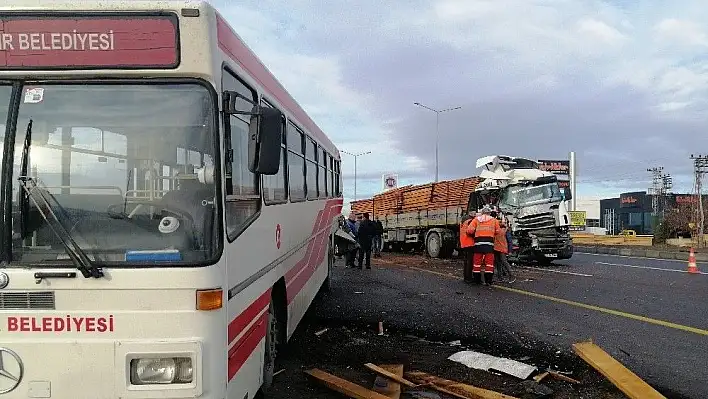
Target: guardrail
{"x": 634, "y": 240}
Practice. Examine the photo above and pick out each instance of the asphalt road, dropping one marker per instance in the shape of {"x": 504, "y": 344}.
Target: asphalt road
{"x": 647, "y": 313}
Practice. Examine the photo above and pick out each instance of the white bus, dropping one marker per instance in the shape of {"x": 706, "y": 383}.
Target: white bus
{"x": 168, "y": 209}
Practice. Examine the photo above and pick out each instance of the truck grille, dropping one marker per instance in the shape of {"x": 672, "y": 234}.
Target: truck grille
{"x": 538, "y": 221}
{"x": 552, "y": 243}
{"x": 27, "y": 300}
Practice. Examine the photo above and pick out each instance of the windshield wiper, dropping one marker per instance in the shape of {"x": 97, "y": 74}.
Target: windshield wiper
{"x": 77, "y": 255}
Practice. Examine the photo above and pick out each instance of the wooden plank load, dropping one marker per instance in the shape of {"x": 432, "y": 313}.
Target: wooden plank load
{"x": 423, "y": 197}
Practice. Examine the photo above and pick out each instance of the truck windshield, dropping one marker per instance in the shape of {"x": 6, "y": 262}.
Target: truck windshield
{"x": 516, "y": 196}
{"x": 128, "y": 170}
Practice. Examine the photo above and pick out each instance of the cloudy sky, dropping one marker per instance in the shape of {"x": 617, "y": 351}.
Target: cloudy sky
{"x": 623, "y": 83}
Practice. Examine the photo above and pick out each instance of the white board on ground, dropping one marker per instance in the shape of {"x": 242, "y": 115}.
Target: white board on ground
{"x": 481, "y": 361}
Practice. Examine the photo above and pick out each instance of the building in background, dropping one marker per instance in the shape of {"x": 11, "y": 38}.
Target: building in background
{"x": 635, "y": 211}
{"x": 591, "y": 207}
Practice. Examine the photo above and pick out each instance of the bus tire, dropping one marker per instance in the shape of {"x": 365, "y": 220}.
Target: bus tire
{"x": 272, "y": 344}
{"x": 327, "y": 285}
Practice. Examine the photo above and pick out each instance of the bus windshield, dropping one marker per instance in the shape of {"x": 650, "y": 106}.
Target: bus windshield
{"x": 129, "y": 170}
{"x": 516, "y": 196}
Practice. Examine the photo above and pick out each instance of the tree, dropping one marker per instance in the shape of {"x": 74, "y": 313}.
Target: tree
{"x": 676, "y": 222}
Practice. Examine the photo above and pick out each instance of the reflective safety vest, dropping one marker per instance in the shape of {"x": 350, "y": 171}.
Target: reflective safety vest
{"x": 500, "y": 243}
{"x": 466, "y": 240}
{"x": 484, "y": 227}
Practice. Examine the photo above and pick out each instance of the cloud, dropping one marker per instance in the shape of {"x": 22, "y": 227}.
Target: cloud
{"x": 623, "y": 84}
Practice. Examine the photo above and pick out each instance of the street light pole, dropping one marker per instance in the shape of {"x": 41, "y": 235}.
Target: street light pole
{"x": 355, "y": 159}
{"x": 437, "y": 131}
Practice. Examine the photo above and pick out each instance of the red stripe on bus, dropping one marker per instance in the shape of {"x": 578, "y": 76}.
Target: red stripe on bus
{"x": 241, "y": 321}
{"x": 246, "y": 345}
{"x": 316, "y": 258}
{"x": 320, "y": 224}
{"x": 242, "y": 349}
{"x": 231, "y": 44}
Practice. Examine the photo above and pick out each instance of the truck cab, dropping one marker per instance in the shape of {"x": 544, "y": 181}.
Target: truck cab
{"x": 532, "y": 203}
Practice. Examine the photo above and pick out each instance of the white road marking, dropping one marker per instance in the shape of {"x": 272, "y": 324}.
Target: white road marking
{"x": 637, "y": 257}
{"x": 555, "y": 271}
{"x": 646, "y": 267}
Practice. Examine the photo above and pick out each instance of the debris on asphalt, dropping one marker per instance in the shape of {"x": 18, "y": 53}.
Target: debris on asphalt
{"x": 481, "y": 361}
{"x": 562, "y": 377}
{"x": 623, "y": 378}
{"x": 322, "y": 331}
{"x": 343, "y": 386}
{"x": 381, "y": 330}
{"x": 455, "y": 343}
{"x": 458, "y": 389}
{"x": 387, "y": 374}
{"x": 420, "y": 395}
{"x": 278, "y": 372}
{"x": 541, "y": 376}
{"x": 539, "y": 391}
{"x": 385, "y": 386}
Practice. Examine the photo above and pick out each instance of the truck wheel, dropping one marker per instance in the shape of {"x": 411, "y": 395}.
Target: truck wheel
{"x": 433, "y": 244}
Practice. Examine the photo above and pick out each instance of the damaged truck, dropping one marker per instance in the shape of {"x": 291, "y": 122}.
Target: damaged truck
{"x": 532, "y": 202}
{"x": 427, "y": 217}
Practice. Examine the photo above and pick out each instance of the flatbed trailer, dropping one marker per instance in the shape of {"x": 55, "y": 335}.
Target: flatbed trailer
{"x": 421, "y": 217}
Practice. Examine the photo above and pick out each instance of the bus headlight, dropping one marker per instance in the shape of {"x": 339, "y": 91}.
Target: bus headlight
{"x": 170, "y": 370}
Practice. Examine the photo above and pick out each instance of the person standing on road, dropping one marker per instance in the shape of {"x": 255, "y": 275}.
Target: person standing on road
{"x": 353, "y": 228}
{"x": 501, "y": 249}
{"x": 484, "y": 228}
{"x": 366, "y": 233}
{"x": 466, "y": 247}
{"x": 377, "y": 238}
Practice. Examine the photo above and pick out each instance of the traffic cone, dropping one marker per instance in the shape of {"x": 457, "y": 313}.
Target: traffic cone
{"x": 692, "y": 267}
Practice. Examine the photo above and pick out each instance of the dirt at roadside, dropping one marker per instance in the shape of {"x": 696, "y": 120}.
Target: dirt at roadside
{"x": 343, "y": 350}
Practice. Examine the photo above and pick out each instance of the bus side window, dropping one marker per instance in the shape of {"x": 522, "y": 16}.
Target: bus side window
{"x": 243, "y": 200}
{"x": 296, "y": 163}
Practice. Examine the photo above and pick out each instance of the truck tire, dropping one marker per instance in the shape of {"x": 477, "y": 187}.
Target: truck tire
{"x": 433, "y": 244}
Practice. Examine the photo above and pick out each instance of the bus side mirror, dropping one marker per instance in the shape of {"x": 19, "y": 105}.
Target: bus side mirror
{"x": 265, "y": 136}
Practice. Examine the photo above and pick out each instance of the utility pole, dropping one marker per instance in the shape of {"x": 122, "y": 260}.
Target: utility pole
{"x": 355, "y": 158}
{"x": 656, "y": 188}
{"x": 700, "y": 167}
{"x": 437, "y": 131}
{"x": 667, "y": 183}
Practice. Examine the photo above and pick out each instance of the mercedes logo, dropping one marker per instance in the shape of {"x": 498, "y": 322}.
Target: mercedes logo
{"x": 4, "y": 280}
{"x": 11, "y": 370}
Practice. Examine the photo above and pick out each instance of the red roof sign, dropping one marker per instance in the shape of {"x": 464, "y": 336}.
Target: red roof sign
{"x": 88, "y": 42}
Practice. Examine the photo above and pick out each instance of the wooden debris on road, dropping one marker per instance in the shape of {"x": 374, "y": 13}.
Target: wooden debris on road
{"x": 541, "y": 376}
{"x": 343, "y": 386}
{"x": 459, "y": 389}
{"x": 322, "y": 331}
{"x": 562, "y": 377}
{"x": 623, "y": 378}
{"x": 384, "y": 373}
{"x": 385, "y": 386}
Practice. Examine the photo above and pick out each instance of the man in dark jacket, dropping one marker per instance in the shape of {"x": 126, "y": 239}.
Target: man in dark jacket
{"x": 366, "y": 233}
{"x": 377, "y": 238}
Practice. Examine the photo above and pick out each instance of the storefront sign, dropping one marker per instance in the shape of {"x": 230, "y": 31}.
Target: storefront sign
{"x": 631, "y": 200}
{"x": 557, "y": 167}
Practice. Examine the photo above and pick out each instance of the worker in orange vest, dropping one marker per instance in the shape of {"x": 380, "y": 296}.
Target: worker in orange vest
{"x": 501, "y": 250}
{"x": 483, "y": 228}
{"x": 467, "y": 247}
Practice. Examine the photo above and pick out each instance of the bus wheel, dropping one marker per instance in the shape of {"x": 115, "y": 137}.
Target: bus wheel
{"x": 271, "y": 347}
{"x": 327, "y": 285}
